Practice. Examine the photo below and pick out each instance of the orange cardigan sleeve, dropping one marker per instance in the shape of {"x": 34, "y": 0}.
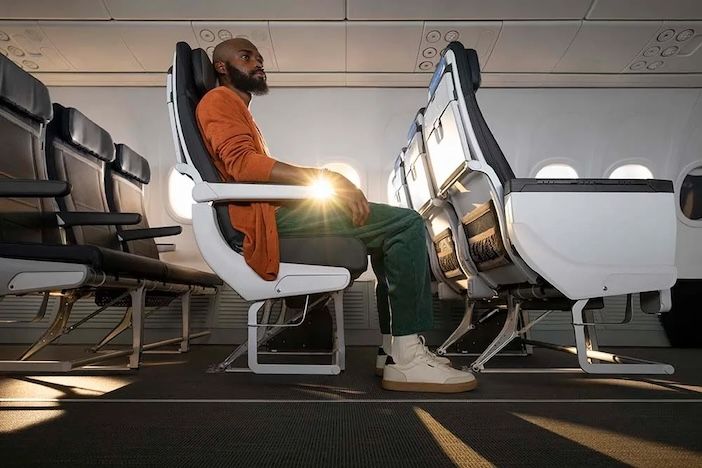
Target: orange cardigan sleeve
{"x": 224, "y": 123}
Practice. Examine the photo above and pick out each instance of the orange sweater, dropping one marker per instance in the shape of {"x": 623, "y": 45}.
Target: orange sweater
{"x": 240, "y": 155}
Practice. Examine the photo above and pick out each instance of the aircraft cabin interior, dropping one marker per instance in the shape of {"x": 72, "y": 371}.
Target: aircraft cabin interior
{"x": 349, "y": 233}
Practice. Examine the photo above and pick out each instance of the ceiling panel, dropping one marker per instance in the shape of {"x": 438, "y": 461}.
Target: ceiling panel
{"x": 91, "y": 46}
{"x": 531, "y": 46}
{"x": 436, "y": 35}
{"x": 153, "y": 42}
{"x": 606, "y": 46}
{"x": 53, "y": 9}
{"x": 27, "y": 45}
{"x": 646, "y": 9}
{"x": 219, "y": 10}
{"x": 675, "y": 48}
{"x": 309, "y": 46}
{"x": 466, "y": 9}
{"x": 209, "y": 34}
{"x": 382, "y": 47}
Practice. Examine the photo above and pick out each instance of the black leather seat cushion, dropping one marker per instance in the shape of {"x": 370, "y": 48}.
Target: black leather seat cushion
{"x": 110, "y": 261}
{"x": 345, "y": 252}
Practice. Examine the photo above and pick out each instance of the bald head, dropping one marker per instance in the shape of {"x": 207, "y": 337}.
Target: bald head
{"x": 226, "y": 50}
{"x": 239, "y": 64}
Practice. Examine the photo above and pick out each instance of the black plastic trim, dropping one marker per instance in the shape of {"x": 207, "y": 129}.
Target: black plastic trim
{"x": 34, "y": 188}
{"x": 149, "y": 233}
{"x": 588, "y": 185}
{"x": 94, "y": 218}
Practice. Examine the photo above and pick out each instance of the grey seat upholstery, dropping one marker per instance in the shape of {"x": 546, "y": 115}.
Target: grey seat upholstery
{"x": 25, "y": 108}
{"x": 125, "y": 178}
{"x": 195, "y": 78}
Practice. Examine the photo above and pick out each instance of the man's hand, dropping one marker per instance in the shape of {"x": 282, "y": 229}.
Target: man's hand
{"x": 353, "y": 198}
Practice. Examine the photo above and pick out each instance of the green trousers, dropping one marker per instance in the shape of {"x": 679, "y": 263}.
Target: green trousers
{"x": 395, "y": 239}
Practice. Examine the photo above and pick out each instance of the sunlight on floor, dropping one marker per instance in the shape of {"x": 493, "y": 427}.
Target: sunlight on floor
{"x": 61, "y": 386}
{"x": 621, "y": 447}
{"x": 625, "y": 383}
{"x": 17, "y": 420}
{"x": 454, "y": 448}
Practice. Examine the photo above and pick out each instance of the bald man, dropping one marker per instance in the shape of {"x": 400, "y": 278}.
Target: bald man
{"x": 394, "y": 237}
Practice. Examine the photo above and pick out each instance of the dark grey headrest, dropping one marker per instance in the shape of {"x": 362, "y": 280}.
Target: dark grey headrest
{"x": 23, "y": 92}
{"x": 474, "y": 66}
{"x": 81, "y": 132}
{"x": 203, "y": 72}
{"x": 131, "y": 164}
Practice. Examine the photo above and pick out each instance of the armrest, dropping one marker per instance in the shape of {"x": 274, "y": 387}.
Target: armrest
{"x": 149, "y": 233}
{"x": 90, "y": 218}
{"x": 209, "y": 192}
{"x": 33, "y": 188}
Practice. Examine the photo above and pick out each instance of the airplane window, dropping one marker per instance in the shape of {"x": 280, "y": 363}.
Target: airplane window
{"x": 631, "y": 171}
{"x": 557, "y": 171}
{"x": 180, "y": 198}
{"x": 346, "y": 171}
{"x": 691, "y": 194}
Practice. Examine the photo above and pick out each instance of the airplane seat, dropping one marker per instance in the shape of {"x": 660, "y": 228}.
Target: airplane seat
{"x": 25, "y": 109}
{"x": 399, "y": 195}
{"x": 309, "y": 265}
{"x": 125, "y": 179}
{"x": 544, "y": 238}
{"x": 33, "y": 262}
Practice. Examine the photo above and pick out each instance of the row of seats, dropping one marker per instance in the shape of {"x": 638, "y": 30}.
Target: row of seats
{"x": 546, "y": 244}
{"x": 72, "y": 217}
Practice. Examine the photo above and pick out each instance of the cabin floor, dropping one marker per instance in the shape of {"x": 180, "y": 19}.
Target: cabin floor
{"x": 171, "y": 412}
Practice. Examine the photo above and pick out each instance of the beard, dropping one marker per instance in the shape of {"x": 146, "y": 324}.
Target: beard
{"x": 247, "y": 82}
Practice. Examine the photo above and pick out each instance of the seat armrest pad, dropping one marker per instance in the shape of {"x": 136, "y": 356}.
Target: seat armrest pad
{"x": 150, "y": 233}
{"x": 90, "y": 218}
{"x": 210, "y": 192}
{"x": 33, "y": 188}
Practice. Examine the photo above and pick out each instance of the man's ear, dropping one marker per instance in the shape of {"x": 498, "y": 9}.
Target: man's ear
{"x": 220, "y": 67}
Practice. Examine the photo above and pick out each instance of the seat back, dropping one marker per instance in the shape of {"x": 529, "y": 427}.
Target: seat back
{"x": 125, "y": 178}
{"x": 419, "y": 178}
{"x": 77, "y": 151}
{"x": 25, "y": 109}
{"x": 469, "y": 168}
{"x": 399, "y": 195}
{"x": 193, "y": 76}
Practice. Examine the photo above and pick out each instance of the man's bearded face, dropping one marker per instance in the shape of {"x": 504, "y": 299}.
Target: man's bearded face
{"x": 253, "y": 82}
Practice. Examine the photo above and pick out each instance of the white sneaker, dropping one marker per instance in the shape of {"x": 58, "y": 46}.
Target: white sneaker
{"x": 381, "y": 359}
{"x": 424, "y": 374}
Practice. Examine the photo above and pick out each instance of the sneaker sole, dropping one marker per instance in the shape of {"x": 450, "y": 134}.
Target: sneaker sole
{"x": 429, "y": 387}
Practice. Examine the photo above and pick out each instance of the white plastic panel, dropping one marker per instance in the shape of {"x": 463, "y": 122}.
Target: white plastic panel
{"x": 645, "y": 9}
{"x": 153, "y": 43}
{"x": 446, "y": 146}
{"x": 466, "y": 9}
{"x": 52, "y": 9}
{"x": 27, "y": 46}
{"x": 531, "y": 46}
{"x": 91, "y": 46}
{"x": 382, "y": 47}
{"x": 606, "y": 47}
{"x": 417, "y": 175}
{"x": 675, "y": 48}
{"x": 560, "y": 236}
{"x": 226, "y": 9}
{"x": 309, "y": 46}
{"x": 480, "y": 36}
{"x": 209, "y": 34}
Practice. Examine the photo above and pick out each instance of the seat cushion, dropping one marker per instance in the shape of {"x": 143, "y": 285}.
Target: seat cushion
{"x": 339, "y": 251}
{"x": 185, "y": 275}
{"x": 110, "y": 261}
